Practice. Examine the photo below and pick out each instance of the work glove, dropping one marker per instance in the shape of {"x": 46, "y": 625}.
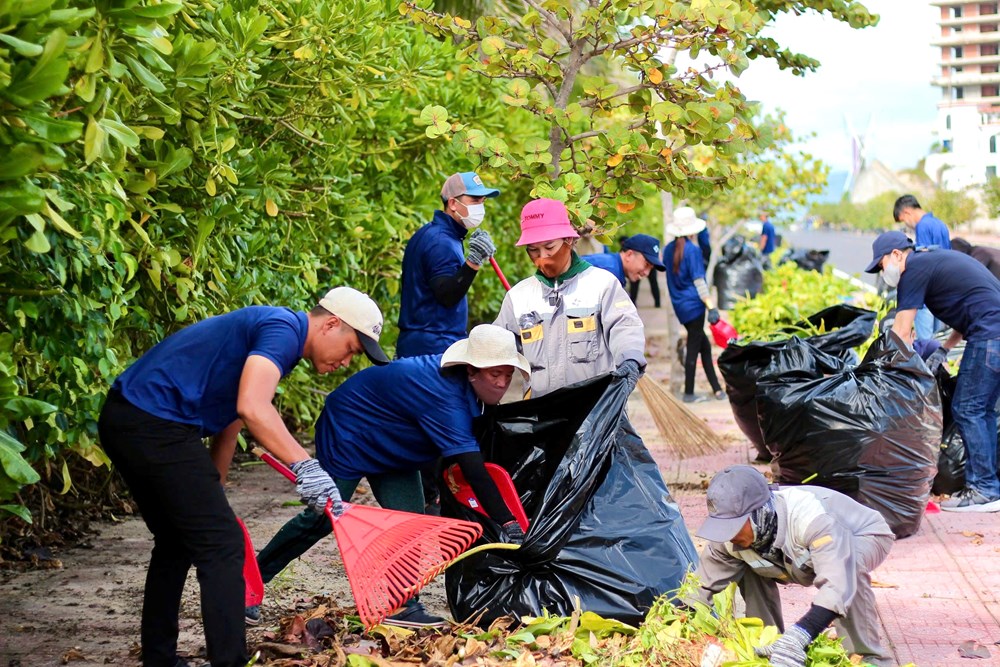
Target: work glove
{"x": 629, "y": 369}
{"x": 789, "y": 650}
{"x": 481, "y": 247}
{"x": 316, "y": 487}
{"x": 936, "y": 358}
{"x": 512, "y": 532}
{"x": 713, "y": 315}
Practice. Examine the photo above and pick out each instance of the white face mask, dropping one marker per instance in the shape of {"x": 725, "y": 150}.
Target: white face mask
{"x": 891, "y": 273}
{"x": 476, "y": 213}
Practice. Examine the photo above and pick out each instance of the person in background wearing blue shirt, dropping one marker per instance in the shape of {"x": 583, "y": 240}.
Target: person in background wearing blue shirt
{"x": 385, "y": 423}
{"x": 768, "y": 239}
{"x": 705, "y": 245}
{"x": 930, "y": 233}
{"x": 438, "y": 272}
{"x": 209, "y": 380}
{"x": 964, "y": 295}
{"x": 640, "y": 254}
{"x": 690, "y": 298}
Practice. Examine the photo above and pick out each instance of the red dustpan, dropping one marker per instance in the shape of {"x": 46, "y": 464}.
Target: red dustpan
{"x": 460, "y": 488}
{"x": 389, "y": 555}
{"x": 251, "y": 573}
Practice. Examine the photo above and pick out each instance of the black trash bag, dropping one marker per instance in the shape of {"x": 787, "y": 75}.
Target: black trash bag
{"x": 808, "y": 260}
{"x": 739, "y": 273}
{"x": 604, "y": 527}
{"x": 872, "y": 432}
{"x": 950, "y": 476}
{"x": 743, "y": 365}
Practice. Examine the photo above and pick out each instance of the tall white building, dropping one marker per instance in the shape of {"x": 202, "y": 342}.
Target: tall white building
{"x": 969, "y": 112}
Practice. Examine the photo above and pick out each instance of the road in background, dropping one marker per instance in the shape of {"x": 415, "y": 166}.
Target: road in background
{"x": 849, "y": 251}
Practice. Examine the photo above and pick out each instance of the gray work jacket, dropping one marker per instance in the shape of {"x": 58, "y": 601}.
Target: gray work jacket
{"x": 815, "y": 526}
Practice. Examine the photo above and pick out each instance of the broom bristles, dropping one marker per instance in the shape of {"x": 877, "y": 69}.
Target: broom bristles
{"x": 685, "y": 434}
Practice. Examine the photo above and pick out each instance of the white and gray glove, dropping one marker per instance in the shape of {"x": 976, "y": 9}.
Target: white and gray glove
{"x": 481, "y": 247}
{"x": 316, "y": 487}
{"x": 789, "y": 650}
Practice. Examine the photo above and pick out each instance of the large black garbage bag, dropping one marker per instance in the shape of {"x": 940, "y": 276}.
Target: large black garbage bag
{"x": 808, "y": 260}
{"x": 743, "y": 365}
{"x": 604, "y": 528}
{"x": 950, "y": 476}
{"x": 739, "y": 273}
{"x": 872, "y": 432}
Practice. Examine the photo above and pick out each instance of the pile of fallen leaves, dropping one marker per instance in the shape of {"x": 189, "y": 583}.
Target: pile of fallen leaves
{"x": 690, "y": 634}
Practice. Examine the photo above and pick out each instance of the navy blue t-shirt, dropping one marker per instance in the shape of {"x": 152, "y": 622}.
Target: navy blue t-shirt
{"x": 683, "y": 294}
{"x": 396, "y": 417}
{"x": 609, "y": 261}
{"x": 425, "y": 325}
{"x": 193, "y": 376}
{"x": 932, "y": 232}
{"x": 769, "y": 245}
{"x": 705, "y": 245}
{"x": 957, "y": 289}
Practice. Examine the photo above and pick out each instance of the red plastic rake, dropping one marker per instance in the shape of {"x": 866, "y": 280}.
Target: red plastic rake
{"x": 390, "y": 555}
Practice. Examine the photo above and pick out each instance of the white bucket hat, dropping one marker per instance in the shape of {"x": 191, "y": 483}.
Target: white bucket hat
{"x": 487, "y": 346}
{"x": 685, "y": 223}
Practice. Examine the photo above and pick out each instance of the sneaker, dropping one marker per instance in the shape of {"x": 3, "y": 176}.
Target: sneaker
{"x": 720, "y": 395}
{"x": 252, "y": 615}
{"x": 970, "y": 500}
{"x": 692, "y": 398}
{"x": 413, "y": 615}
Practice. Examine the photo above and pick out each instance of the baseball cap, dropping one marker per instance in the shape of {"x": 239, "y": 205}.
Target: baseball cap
{"x": 883, "y": 245}
{"x": 648, "y": 245}
{"x": 466, "y": 183}
{"x": 360, "y": 313}
{"x": 732, "y": 495}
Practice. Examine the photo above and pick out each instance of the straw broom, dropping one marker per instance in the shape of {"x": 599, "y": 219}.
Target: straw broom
{"x": 686, "y": 435}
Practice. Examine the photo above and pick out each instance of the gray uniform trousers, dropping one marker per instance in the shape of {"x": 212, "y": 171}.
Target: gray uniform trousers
{"x": 860, "y": 627}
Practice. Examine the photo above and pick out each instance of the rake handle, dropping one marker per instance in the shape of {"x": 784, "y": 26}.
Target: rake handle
{"x": 500, "y": 275}
{"x": 268, "y": 458}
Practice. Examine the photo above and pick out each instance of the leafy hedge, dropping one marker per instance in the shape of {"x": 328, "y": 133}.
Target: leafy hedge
{"x": 169, "y": 161}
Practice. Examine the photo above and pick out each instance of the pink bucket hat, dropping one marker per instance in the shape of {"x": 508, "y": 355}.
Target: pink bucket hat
{"x": 545, "y": 220}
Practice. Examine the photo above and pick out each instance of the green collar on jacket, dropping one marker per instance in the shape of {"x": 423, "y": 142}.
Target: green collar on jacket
{"x": 576, "y": 266}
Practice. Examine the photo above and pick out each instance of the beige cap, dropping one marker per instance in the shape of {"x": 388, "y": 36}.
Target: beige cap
{"x": 360, "y": 313}
{"x": 487, "y": 346}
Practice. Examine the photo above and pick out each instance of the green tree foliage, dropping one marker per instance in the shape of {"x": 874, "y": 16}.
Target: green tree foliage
{"x": 166, "y": 162}
{"x": 610, "y": 137}
{"x": 991, "y": 197}
{"x": 954, "y": 207}
{"x": 779, "y": 179}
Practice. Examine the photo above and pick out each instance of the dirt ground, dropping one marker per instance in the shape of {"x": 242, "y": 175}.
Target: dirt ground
{"x": 85, "y": 609}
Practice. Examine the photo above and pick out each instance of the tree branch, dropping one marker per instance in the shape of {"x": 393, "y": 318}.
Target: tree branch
{"x": 594, "y": 101}
{"x": 551, "y": 19}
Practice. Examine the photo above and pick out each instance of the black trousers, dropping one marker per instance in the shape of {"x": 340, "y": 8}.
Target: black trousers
{"x": 654, "y": 287}
{"x": 173, "y": 480}
{"x": 697, "y": 343}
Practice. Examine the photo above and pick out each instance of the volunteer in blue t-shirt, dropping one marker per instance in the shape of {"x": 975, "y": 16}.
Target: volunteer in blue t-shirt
{"x": 963, "y": 294}
{"x": 438, "y": 272}
{"x": 929, "y": 232}
{"x": 386, "y": 423}
{"x": 768, "y": 238}
{"x": 639, "y": 256}
{"x": 690, "y": 298}
{"x": 209, "y": 380}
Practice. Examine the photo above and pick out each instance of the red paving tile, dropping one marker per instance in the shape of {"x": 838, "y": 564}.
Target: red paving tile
{"x": 938, "y": 588}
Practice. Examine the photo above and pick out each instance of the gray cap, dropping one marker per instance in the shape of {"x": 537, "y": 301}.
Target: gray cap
{"x": 732, "y": 495}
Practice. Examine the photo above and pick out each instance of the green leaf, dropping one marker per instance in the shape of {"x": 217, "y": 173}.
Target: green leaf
{"x": 123, "y": 133}
{"x": 67, "y": 480}
{"x": 21, "y": 160}
{"x": 19, "y": 511}
{"x": 22, "y": 407}
{"x": 145, "y": 76}
{"x": 149, "y": 11}
{"x": 38, "y": 243}
{"x": 52, "y": 129}
{"x": 95, "y": 59}
{"x": 23, "y": 48}
{"x": 93, "y": 141}
{"x": 13, "y": 463}
{"x": 432, "y": 115}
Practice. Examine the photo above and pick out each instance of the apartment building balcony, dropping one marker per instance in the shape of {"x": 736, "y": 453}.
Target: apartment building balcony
{"x": 966, "y": 79}
{"x": 967, "y": 39}
{"x": 969, "y": 20}
{"x": 963, "y": 62}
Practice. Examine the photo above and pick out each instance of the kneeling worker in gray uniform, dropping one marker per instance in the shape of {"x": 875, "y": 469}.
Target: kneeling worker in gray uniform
{"x": 807, "y": 535}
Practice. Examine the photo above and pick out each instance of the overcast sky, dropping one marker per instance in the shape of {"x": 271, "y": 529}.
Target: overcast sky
{"x": 881, "y": 73}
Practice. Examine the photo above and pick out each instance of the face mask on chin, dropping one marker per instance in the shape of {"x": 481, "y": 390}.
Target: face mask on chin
{"x": 475, "y": 213}
{"x": 554, "y": 265}
{"x": 891, "y": 273}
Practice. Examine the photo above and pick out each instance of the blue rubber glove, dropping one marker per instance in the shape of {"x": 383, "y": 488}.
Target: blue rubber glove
{"x": 936, "y": 359}
{"x": 629, "y": 369}
{"x": 789, "y": 650}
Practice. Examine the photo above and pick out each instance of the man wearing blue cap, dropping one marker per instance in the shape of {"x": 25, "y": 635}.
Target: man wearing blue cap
{"x": 438, "y": 271}
{"x": 806, "y": 535}
{"x": 640, "y": 254}
{"x": 963, "y": 294}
